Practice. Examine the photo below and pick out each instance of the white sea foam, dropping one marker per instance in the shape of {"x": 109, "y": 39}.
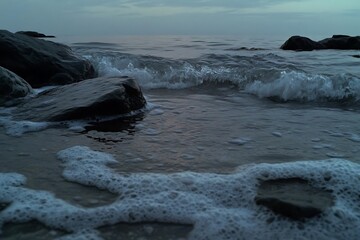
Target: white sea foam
{"x": 18, "y": 128}
{"x": 219, "y": 206}
{"x": 302, "y": 86}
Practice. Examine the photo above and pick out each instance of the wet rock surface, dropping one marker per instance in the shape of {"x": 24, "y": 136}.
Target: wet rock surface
{"x": 38, "y": 61}
{"x": 86, "y": 99}
{"x": 294, "y": 198}
{"x": 12, "y": 86}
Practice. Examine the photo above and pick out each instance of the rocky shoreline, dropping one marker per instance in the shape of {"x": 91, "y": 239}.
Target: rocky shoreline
{"x": 27, "y": 62}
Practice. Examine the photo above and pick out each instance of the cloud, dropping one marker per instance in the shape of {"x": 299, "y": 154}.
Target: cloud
{"x": 152, "y": 11}
{"x": 179, "y": 16}
{"x": 208, "y": 3}
{"x": 151, "y": 8}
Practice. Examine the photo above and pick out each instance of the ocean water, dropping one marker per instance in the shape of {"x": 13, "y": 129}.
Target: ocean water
{"x": 222, "y": 113}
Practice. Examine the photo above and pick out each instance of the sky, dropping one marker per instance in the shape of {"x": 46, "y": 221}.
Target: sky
{"x": 253, "y": 18}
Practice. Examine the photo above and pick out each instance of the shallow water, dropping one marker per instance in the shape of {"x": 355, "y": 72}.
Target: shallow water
{"x": 206, "y": 122}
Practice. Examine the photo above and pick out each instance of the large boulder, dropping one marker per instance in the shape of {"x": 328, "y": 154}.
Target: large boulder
{"x": 300, "y": 43}
{"x": 12, "y": 86}
{"x": 87, "y": 99}
{"x": 342, "y": 42}
{"x": 294, "y": 198}
{"x": 42, "y": 62}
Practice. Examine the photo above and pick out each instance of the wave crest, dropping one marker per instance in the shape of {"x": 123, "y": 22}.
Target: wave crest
{"x": 304, "y": 87}
{"x": 264, "y": 75}
{"x": 213, "y": 69}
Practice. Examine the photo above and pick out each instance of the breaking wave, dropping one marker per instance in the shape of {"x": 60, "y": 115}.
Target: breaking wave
{"x": 303, "y": 87}
{"x": 264, "y": 75}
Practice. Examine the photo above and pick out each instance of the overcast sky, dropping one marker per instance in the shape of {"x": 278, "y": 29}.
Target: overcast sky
{"x": 183, "y": 17}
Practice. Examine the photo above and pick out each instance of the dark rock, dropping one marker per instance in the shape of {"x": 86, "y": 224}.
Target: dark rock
{"x": 340, "y": 36}
{"x": 12, "y": 86}
{"x": 294, "y": 198}
{"x": 86, "y": 99}
{"x": 61, "y": 79}
{"x": 37, "y": 61}
{"x": 341, "y": 42}
{"x": 300, "y": 43}
{"x": 35, "y": 34}
{"x": 356, "y": 56}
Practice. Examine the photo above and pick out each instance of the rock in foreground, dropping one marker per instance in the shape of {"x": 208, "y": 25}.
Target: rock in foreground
{"x": 12, "y": 86}
{"x": 42, "y": 62}
{"x": 86, "y": 99}
{"x": 294, "y": 198}
{"x": 341, "y": 42}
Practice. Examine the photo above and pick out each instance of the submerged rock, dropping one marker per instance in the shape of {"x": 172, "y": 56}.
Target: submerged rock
{"x": 86, "y": 99}
{"x": 39, "y": 61}
{"x": 341, "y": 42}
{"x": 294, "y": 198}
{"x": 12, "y": 86}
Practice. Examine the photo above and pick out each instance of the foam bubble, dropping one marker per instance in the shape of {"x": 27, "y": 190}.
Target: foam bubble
{"x": 220, "y": 206}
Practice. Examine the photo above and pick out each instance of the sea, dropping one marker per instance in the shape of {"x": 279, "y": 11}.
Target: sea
{"x": 223, "y": 113}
